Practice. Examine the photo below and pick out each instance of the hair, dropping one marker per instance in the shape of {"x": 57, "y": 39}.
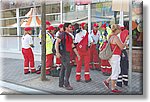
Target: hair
{"x": 66, "y": 25}
{"x": 26, "y": 32}
{"x": 115, "y": 27}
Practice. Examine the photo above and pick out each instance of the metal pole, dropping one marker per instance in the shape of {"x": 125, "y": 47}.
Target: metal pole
{"x": 43, "y": 42}
{"x": 89, "y": 17}
{"x": 18, "y": 28}
{"x": 61, "y": 11}
{"x": 115, "y": 16}
{"x": 130, "y": 45}
{"x": 121, "y": 22}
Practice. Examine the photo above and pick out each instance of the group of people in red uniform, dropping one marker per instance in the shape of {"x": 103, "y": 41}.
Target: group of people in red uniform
{"x": 84, "y": 49}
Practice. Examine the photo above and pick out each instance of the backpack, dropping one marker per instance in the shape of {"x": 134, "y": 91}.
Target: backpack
{"x": 106, "y": 53}
{"x": 61, "y": 45}
{"x": 54, "y": 72}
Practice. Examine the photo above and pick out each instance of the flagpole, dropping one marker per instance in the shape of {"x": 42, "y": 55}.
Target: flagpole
{"x": 130, "y": 45}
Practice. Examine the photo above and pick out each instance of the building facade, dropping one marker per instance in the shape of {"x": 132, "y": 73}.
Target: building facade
{"x": 15, "y": 13}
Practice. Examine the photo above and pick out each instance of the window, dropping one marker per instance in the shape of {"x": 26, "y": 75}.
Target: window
{"x": 8, "y": 13}
{"x": 102, "y": 12}
{"x": 53, "y": 8}
{"x": 74, "y": 13}
{"x": 8, "y": 22}
{"x": 54, "y": 19}
{"x": 8, "y": 31}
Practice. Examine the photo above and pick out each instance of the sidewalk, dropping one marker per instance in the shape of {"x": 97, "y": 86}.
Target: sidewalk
{"x": 12, "y": 71}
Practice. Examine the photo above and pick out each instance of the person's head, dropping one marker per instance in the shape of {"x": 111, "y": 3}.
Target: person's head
{"x": 47, "y": 23}
{"x": 28, "y": 30}
{"x": 103, "y": 27}
{"x": 51, "y": 29}
{"x": 83, "y": 26}
{"x": 122, "y": 28}
{"x": 73, "y": 28}
{"x": 115, "y": 28}
{"x": 67, "y": 27}
{"x": 95, "y": 26}
{"x": 61, "y": 27}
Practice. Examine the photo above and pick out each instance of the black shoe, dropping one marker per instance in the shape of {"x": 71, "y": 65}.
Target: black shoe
{"x": 61, "y": 86}
{"x": 69, "y": 87}
{"x": 119, "y": 85}
{"x": 78, "y": 80}
{"x": 104, "y": 73}
{"x": 88, "y": 80}
{"x": 126, "y": 84}
{"x": 27, "y": 72}
{"x": 98, "y": 69}
{"x": 92, "y": 68}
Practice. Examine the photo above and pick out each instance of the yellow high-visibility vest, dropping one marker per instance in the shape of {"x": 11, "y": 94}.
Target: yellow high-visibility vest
{"x": 103, "y": 38}
{"x": 49, "y": 43}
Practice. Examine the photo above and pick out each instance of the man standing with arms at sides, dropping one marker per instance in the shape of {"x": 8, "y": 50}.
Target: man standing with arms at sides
{"x": 27, "y": 52}
{"x": 82, "y": 40}
{"x": 95, "y": 35}
{"x": 49, "y": 46}
{"x": 63, "y": 52}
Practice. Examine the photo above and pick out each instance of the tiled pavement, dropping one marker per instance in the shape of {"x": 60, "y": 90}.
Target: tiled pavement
{"x": 12, "y": 71}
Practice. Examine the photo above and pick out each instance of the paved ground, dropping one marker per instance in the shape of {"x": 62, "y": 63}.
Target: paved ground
{"x": 7, "y": 91}
{"x": 12, "y": 71}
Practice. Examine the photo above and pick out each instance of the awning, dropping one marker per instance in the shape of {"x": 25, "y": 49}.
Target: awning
{"x": 33, "y": 20}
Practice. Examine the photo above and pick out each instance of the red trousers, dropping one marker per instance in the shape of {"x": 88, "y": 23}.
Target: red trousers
{"x": 94, "y": 59}
{"x": 85, "y": 56}
{"x": 49, "y": 61}
{"x": 105, "y": 66}
{"x": 28, "y": 60}
{"x": 28, "y": 57}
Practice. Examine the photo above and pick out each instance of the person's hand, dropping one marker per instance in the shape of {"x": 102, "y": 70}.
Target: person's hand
{"x": 58, "y": 55}
{"x": 92, "y": 43}
{"x": 127, "y": 37}
{"x": 78, "y": 56}
{"x": 99, "y": 48}
{"x": 32, "y": 45}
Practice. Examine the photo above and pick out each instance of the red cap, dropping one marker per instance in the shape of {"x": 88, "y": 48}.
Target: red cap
{"x": 51, "y": 28}
{"x": 27, "y": 28}
{"x": 95, "y": 25}
{"x": 60, "y": 26}
{"x": 122, "y": 28}
{"x": 48, "y": 23}
{"x": 103, "y": 26}
{"x": 82, "y": 24}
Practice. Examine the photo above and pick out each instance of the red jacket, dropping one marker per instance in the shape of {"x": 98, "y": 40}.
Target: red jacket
{"x": 83, "y": 45}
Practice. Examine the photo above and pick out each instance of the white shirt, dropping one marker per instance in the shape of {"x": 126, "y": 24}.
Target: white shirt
{"x": 57, "y": 34}
{"x": 96, "y": 37}
{"x": 27, "y": 41}
{"x": 79, "y": 36}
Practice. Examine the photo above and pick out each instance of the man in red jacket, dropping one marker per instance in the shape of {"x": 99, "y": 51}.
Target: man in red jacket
{"x": 124, "y": 63}
{"x": 82, "y": 40}
{"x": 66, "y": 42}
